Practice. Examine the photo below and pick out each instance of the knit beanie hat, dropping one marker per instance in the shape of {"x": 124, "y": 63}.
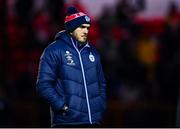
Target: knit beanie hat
{"x": 74, "y": 19}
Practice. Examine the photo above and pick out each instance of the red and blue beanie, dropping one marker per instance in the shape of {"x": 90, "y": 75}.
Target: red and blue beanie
{"x": 74, "y": 19}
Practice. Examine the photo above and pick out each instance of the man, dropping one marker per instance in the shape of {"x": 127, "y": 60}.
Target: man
{"x": 70, "y": 76}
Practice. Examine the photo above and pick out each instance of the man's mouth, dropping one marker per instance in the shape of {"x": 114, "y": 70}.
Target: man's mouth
{"x": 84, "y": 36}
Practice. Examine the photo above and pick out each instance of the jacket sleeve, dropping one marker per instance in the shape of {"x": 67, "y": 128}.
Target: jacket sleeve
{"x": 47, "y": 80}
{"x": 102, "y": 82}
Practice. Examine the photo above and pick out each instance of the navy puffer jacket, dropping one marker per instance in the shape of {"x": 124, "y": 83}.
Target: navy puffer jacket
{"x": 73, "y": 77}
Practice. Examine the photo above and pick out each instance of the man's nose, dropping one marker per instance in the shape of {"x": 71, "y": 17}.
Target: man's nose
{"x": 86, "y": 30}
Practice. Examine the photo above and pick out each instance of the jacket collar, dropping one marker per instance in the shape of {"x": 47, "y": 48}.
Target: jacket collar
{"x": 78, "y": 45}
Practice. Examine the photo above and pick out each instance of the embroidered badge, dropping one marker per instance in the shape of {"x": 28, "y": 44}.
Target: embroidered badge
{"x": 69, "y": 58}
{"x": 87, "y": 19}
{"x": 91, "y": 57}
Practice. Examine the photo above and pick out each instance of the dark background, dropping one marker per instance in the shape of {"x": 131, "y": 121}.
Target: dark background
{"x": 140, "y": 57}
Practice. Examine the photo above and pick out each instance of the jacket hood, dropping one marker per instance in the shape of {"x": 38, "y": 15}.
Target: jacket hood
{"x": 63, "y": 35}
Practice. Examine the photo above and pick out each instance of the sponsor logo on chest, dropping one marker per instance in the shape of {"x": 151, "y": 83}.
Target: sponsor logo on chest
{"x": 69, "y": 58}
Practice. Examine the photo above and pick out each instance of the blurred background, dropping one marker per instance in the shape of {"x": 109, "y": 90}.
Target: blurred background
{"x": 139, "y": 43}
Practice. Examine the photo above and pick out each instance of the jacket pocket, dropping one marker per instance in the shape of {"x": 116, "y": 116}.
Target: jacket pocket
{"x": 70, "y": 115}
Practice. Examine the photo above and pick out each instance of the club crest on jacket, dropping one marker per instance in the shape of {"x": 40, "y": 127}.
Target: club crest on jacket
{"x": 91, "y": 57}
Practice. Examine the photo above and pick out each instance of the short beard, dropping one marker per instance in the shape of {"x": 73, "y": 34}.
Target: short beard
{"x": 82, "y": 42}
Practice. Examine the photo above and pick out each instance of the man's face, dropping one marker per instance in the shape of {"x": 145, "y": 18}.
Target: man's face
{"x": 81, "y": 33}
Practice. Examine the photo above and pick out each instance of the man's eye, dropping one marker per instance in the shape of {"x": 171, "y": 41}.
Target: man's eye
{"x": 85, "y": 27}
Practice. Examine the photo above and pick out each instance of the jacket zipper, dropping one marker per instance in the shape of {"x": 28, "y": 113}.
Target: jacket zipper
{"x": 84, "y": 79}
